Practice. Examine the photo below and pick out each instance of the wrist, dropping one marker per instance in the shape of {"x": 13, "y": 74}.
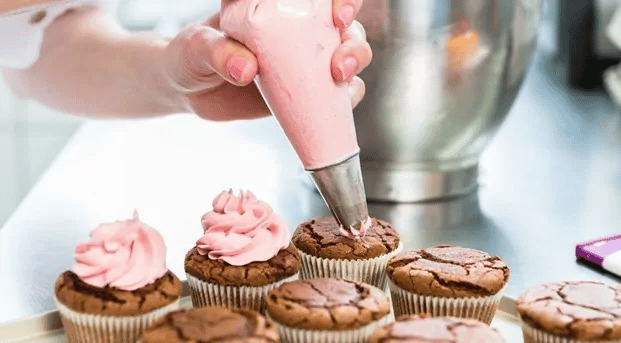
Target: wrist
{"x": 161, "y": 90}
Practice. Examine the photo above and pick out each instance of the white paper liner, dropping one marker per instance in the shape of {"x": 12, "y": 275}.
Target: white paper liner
{"x": 371, "y": 271}
{"x": 360, "y": 335}
{"x": 408, "y": 303}
{"x": 210, "y": 294}
{"x": 533, "y": 335}
{"x": 93, "y": 328}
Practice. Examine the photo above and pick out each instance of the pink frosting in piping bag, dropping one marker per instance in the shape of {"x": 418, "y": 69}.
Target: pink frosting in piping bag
{"x": 294, "y": 41}
{"x": 125, "y": 254}
{"x": 241, "y": 230}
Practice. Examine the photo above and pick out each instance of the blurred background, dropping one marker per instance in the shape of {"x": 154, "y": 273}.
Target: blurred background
{"x": 32, "y": 135}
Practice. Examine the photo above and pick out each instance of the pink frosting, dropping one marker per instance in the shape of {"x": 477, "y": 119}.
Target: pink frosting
{"x": 125, "y": 254}
{"x": 241, "y": 230}
{"x": 353, "y": 233}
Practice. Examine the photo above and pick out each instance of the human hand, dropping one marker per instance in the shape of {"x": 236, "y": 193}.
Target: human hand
{"x": 214, "y": 74}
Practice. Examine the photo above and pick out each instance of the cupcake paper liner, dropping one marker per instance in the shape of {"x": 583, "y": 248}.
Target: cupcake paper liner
{"x": 533, "y": 335}
{"x": 360, "y": 335}
{"x": 93, "y": 328}
{"x": 479, "y": 308}
{"x": 211, "y": 294}
{"x": 371, "y": 271}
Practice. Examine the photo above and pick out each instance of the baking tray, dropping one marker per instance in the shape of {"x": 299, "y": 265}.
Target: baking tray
{"x": 47, "y": 327}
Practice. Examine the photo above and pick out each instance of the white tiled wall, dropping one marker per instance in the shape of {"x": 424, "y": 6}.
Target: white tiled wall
{"x": 31, "y": 135}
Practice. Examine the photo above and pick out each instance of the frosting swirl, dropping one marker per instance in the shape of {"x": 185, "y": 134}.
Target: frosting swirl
{"x": 126, "y": 255}
{"x": 241, "y": 230}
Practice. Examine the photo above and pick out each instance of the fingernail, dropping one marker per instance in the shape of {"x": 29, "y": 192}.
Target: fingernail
{"x": 348, "y": 67}
{"x": 346, "y": 15}
{"x": 236, "y": 66}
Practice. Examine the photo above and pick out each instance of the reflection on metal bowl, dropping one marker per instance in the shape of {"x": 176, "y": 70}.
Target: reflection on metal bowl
{"x": 443, "y": 78}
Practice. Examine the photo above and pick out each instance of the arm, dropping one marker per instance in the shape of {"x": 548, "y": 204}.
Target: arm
{"x": 89, "y": 65}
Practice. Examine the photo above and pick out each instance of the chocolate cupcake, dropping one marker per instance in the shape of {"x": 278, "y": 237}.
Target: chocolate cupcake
{"x": 571, "y": 312}
{"x": 447, "y": 281}
{"x": 118, "y": 286}
{"x": 420, "y": 329}
{"x": 327, "y": 252}
{"x": 211, "y": 324}
{"x": 245, "y": 252}
{"x": 327, "y": 310}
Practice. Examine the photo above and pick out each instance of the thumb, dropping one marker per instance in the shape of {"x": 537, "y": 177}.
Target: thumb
{"x": 201, "y": 58}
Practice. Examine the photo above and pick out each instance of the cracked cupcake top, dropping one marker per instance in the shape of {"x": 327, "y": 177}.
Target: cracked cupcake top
{"x": 322, "y": 237}
{"x": 578, "y": 309}
{"x": 421, "y": 329}
{"x": 327, "y": 304}
{"x": 285, "y": 264}
{"x": 211, "y": 324}
{"x": 448, "y": 271}
{"x": 79, "y": 296}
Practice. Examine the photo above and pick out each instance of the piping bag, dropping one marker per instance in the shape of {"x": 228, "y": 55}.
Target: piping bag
{"x": 294, "y": 41}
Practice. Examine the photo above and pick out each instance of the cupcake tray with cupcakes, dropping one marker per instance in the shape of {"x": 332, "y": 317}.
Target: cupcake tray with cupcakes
{"x": 48, "y": 328}
{"x": 248, "y": 279}
{"x": 318, "y": 285}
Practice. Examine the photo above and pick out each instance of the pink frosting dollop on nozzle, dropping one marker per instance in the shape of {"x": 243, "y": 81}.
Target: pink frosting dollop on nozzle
{"x": 354, "y": 233}
{"x": 241, "y": 230}
{"x": 125, "y": 254}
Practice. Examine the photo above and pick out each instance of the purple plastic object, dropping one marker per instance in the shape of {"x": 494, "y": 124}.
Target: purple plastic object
{"x": 596, "y": 251}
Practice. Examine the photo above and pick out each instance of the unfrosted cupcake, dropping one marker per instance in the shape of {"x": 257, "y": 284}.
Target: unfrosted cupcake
{"x": 118, "y": 285}
{"x": 212, "y": 324}
{"x": 447, "y": 281}
{"x": 424, "y": 329}
{"x": 571, "y": 312}
{"x": 327, "y": 252}
{"x": 327, "y": 310}
{"x": 244, "y": 253}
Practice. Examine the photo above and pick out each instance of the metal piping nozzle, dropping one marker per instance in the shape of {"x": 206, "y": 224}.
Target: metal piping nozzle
{"x": 342, "y": 189}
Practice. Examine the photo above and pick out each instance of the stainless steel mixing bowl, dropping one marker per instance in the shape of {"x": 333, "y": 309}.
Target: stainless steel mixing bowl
{"x": 443, "y": 78}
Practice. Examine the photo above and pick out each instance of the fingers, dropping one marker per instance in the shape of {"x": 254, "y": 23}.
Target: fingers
{"x": 201, "y": 56}
{"x": 354, "y": 32}
{"x": 356, "y": 90}
{"x": 353, "y": 55}
{"x": 345, "y": 12}
{"x": 214, "y": 21}
{"x": 229, "y": 102}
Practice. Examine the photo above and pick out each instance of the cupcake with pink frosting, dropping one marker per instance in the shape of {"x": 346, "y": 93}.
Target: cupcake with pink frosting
{"x": 245, "y": 252}
{"x": 118, "y": 285}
